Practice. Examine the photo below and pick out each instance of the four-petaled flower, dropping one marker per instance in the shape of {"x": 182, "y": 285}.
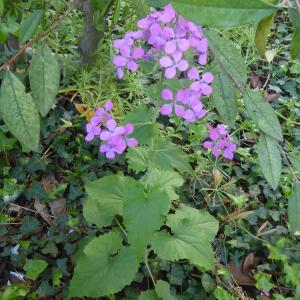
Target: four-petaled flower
{"x": 172, "y": 63}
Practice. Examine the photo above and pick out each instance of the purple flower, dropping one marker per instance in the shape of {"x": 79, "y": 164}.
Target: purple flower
{"x": 202, "y": 83}
{"x": 167, "y": 109}
{"x": 168, "y": 14}
{"x": 115, "y": 145}
{"x": 102, "y": 114}
{"x": 158, "y": 36}
{"x": 171, "y": 64}
{"x": 178, "y": 42}
{"x": 92, "y": 132}
{"x": 220, "y": 142}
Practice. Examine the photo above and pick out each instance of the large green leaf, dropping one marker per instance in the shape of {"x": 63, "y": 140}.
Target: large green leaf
{"x": 262, "y": 114}
{"x": 219, "y": 13}
{"x": 105, "y": 267}
{"x": 144, "y": 212}
{"x": 224, "y": 96}
{"x": 294, "y": 210}
{"x": 262, "y": 32}
{"x": 163, "y": 154}
{"x": 29, "y": 26}
{"x": 193, "y": 231}
{"x": 228, "y": 57}
{"x": 44, "y": 75}
{"x": 19, "y": 112}
{"x": 145, "y": 127}
{"x": 161, "y": 292}
{"x": 269, "y": 159}
{"x": 106, "y": 197}
{"x": 295, "y": 46}
{"x": 34, "y": 267}
{"x": 167, "y": 181}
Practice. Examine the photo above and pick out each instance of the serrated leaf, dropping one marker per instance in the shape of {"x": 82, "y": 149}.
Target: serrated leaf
{"x": 145, "y": 127}
{"x": 193, "y": 231}
{"x": 19, "y": 112}
{"x": 44, "y": 75}
{"x": 167, "y": 181}
{"x": 144, "y": 212}
{"x": 262, "y": 32}
{"x": 219, "y": 13}
{"x": 295, "y": 46}
{"x": 162, "y": 289}
{"x": 269, "y": 159}
{"x": 105, "y": 198}
{"x": 294, "y": 210}
{"x": 228, "y": 57}
{"x": 224, "y": 96}
{"x": 294, "y": 158}
{"x": 137, "y": 159}
{"x": 98, "y": 270}
{"x": 262, "y": 114}
{"x": 34, "y": 267}
{"x": 29, "y": 26}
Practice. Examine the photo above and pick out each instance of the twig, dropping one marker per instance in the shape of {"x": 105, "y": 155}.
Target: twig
{"x": 148, "y": 268}
{"x": 7, "y": 64}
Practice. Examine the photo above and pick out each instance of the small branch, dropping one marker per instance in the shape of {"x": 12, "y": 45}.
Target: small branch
{"x": 6, "y": 65}
{"x": 148, "y": 268}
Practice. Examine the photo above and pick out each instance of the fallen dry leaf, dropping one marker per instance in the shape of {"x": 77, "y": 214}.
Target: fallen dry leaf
{"x": 255, "y": 81}
{"x": 58, "y": 207}
{"x": 43, "y": 210}
{"x": 270, "y": 97}
{"x": 49, "y": 182}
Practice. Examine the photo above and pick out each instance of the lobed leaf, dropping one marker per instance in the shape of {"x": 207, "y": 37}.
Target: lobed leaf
{"x": 269, "y": 159}
{"x": 34, "y": 267}
{"x": 262, "y": 114}
{"x": 98, "y": 270}
{"x": 192, "y": 233}
{"x": 44, "y": 75}
{"x": 19, "y": 112}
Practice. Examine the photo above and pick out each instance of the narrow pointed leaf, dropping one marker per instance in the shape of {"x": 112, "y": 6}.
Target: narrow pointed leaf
{"x": 19, "y": 112}
{"x": 228, "y": 57}
{"x": 269, "y": 159}
{"x": 295, "y": 46}
{"x": 98, "y": 270}
{"x": 294, "y": 210}
{"x": 262, "y": 114}
{"x": 29, "y": 25}
{"x": 224, "y": 96}
{"x": 262, "y": 32}
{"x": 44, "y": 75}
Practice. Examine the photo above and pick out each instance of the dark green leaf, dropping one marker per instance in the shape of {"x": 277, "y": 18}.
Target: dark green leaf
{"x": 29, "y": 225}
{"x": 219, "y": 13}
{"x": 29, "y": 26}
{"x": 294, "y": 210}
{"x": 224, "y": 96}
{"x": 269, "y": 159}
{"x": 44, "y": 75}
{"x": 19, "y": 112}
{"x": 228, "y": 57}
{"x": 262, "y": 114}
{"x": 6, "y": 144}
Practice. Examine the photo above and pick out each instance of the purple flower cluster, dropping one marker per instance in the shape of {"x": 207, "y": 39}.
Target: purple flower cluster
{"x": 115, "y": 139}
{"x": 220, "y": 142}
{"x": 180, "y": 48}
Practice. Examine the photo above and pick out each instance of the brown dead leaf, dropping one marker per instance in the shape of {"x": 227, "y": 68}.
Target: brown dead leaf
{"x": 270, "y": 97}
{"x": 255, "y": 81}
{"x": 58, "y": 207}
{"x": 43, "y": 210}
{"x": 49, "y": 182}
{"x": 242, "y": 272}
{"x": 85, "y": 109}
{"x": 217, "y": 176}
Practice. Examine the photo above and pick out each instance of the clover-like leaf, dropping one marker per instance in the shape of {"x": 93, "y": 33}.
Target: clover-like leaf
{"x": 193, "y": 231}
{"x": 98, "y": 270}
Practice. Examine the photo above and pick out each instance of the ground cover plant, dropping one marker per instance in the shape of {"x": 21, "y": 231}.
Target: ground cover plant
{"x": 149, "y": 149}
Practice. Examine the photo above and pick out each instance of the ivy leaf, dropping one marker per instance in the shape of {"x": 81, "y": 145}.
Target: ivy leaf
{"x": 29, "y": 225}
{"x": 295, "y": 46}
{"x": 162, "y": 288}
{"x": 193, "y": 231}
{"x": 145, "y": 127}
{"x": 166, "y": 181}
{"x": 224, "y": 95}
{"x": 44, "y": 75}
{"x": 97, "y": 271}
{"x": 294, "y": 210}
{"x": 262, "y": 32}
{"x": 144, "y": 212}
{"x": 6, "y": 143}
{"x": 29, "y": 26}
{"x": 105, "y": 198}
{"x": 19, "y": 113}
{"x": 219, "y": 13}
{"x": 228, "y": 57}
{"x": 269, "y": 159}
{"x": 34, "y": 267}
{"x": 262, "y": 114}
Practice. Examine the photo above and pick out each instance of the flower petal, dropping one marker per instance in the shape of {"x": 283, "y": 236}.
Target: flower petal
{"x": 167, "y": 94}
{"x": 166, "y": 109}
{"x": 166, "y": 62}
